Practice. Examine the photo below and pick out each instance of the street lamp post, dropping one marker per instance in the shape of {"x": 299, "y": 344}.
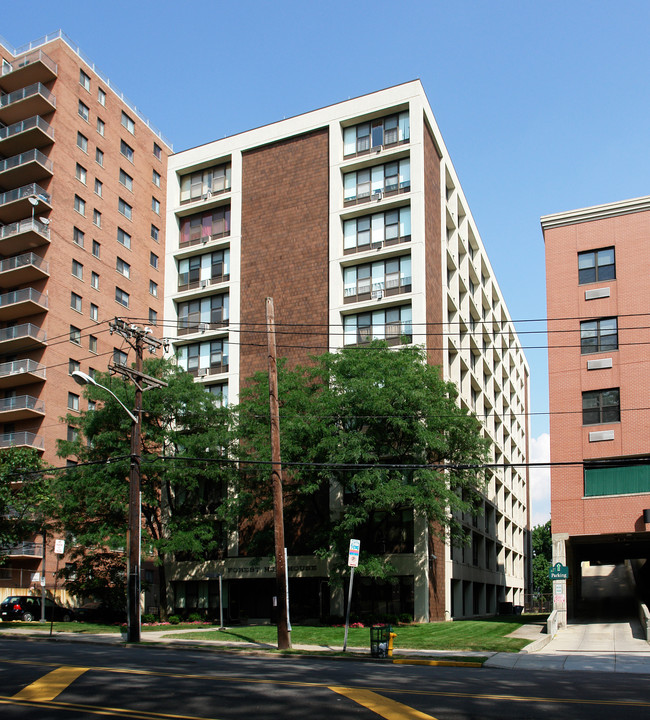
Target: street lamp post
{"x": 135, "y": 511}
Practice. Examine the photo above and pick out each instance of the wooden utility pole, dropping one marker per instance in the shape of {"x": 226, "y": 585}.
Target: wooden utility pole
{"x": 284, "y": 637}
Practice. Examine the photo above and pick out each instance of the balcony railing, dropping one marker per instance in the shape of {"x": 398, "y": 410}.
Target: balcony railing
{"x": 24, "y": 158}
{"x": 22, "y": 439}
{"x": 22, "y": 402}
{"x": 17, "y": 236}
{"x": 26, "y": 259}
{"x": 21, "y": 296}
{"x": 25, "y": 331}
{"x": 25, "y": 134}
{"x": 24, "y": 549}
{"x": 20, "y": 367}
{"x": 31, "y": 190}
{"x": 29, "y": 59}
{"x": 27, "y": 92}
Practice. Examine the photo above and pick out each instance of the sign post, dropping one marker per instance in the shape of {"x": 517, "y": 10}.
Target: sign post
{"x": 59, "y": 549}
{"x": 353, "y": 562}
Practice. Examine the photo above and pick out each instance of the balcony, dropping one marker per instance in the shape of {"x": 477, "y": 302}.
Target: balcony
{"x": 22, "y": 439}
{"x": 21, "y": 337}
{"x": 28, "y": 69}
{"x": 31, "y": 100}
{"x": 21, "y": 235}
{"x": 15, "y": 204}
{"x": 23, "y": 407}
{"x": 21, "y": 372}
{"x": 31, "y": 133}
{"x": 28, "y": 167}
{"x": 19, "y": 303}
{"x": 26, "y": 551}
{"x": 21, "y": 269}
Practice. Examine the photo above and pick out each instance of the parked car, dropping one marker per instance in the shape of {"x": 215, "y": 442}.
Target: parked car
{"x": 28, "y": 608}
{"x": 99, "y": 612}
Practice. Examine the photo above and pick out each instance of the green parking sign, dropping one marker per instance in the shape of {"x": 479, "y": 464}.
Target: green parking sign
{"x": 558, "y": 572}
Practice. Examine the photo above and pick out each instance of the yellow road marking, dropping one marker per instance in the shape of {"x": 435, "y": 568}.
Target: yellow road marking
{"x": 50, "y": 685}
{"x": 437, "y": 663}
{"x": 389, "y": 709}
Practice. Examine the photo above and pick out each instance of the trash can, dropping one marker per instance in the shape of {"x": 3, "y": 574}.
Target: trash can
{"x": 379, "y": 639}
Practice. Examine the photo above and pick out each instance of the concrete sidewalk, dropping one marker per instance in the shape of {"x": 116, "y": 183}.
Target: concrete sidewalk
{"x": 602, "y": 647}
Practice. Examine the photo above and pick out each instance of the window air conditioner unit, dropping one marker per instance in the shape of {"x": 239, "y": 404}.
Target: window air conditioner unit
{"x": 203, "y": 327}
{"x": 377, "y": 294}
{"x": 378, "y": 245}
{"x": 204, "y": 283}
{"x": 378, "y": 148}
{"x": 204, "y": 196}
{"x": 202, "y": 373}
{"x": 378, "y": 195}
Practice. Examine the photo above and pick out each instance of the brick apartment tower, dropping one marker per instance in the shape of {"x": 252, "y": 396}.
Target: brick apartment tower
{"x": 82, "y": 203}
{"x": 352, "y": 218}
{"x": 597, "y": 265}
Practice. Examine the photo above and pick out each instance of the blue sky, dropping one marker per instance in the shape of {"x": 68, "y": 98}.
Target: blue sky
{"x": 543, "y": 105}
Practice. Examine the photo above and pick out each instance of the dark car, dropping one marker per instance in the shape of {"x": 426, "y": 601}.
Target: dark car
{"x": 99, "y": 612}
{"x": 28, "y": 608}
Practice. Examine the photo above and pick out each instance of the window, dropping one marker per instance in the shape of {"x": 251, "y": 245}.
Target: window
{"x": 153, "y": 288}
{"x": 101, "y": 96}
{"x": 97, "y": 218}
{"x": 202, "y": 314}
{"x": 203, "y": 227}
{"x": 99, "y": 157}
{"x": 75, "y": 335}
{"x": 73, "y": 366}
{"x": 92, "y": 405}
{"x": 155, "y": 233}
{"x": 101, "y": 127}
{"x": 122, "y": 297}
{"x": 92, "y": 343}
{"x": 96, "y": 248}
{"x": 128, "y": 123}
{"x": 123, "y": 267}
{"x": 123, "y": 238}
{"x": 155, "y": 205}
{"x": 126, "y": 150}
{"x": 84, "y": 111}
{"x": 377, "y": 280}
{"x": 206, "y": 358}
{"x": 204, "y": 183}
{"x": 73, "y": 401}
{"x": 73, "y": 433}
{"x": 119, "y": 357}
{"x": 220, "y": 393}
{"x": 156, "y": 178}
{"x": 153, "y": 260}
{"x": 79, "y": 205}
{"x": 598, "y": 335}
{"x": 153, "y": 317}
{"x": 596, "y": 265}
{"x": 126, "y": 180}
{"x": 98, "y": 187}
{"x": 390, "y": 325}
{"x": 75, "y": 302}
{"x": 157, "y": 151}
{"x": 82, "y": 142}
{"x": 125, "y": 208}
{"x": 94, "y": 312}
{"x": 374, "y": 182}
{"x": 386, "y": 228}
{"x": 80, "y": 173}
{"x": 84, "y": 80}
{"x": 204, "y": 270}
{"x": 601, "y": 406}
{"x": 94, "y": 280}
{"x": 77, "y": 237}
{"x": 77, "y": 269}
{"x": 389, "y": 130}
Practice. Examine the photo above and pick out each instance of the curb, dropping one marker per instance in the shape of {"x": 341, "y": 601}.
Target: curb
{"x": 536, "y": 645}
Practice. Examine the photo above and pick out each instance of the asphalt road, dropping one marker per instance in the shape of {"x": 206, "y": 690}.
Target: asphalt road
{"x": 57, "y": 680}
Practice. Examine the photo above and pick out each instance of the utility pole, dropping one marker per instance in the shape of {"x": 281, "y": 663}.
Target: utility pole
{"x": 284, "y": 638}
{"x": 137, "y": 338}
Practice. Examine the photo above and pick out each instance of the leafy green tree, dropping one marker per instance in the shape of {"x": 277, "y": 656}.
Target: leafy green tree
{"x": 542, "y": 558}
{"x": 183, "y": 432}
{"x": 377, "y": 428}
{"x": 24, "y": 490}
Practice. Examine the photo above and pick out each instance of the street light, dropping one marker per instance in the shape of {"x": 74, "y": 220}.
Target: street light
{"x": 135, "y": 512}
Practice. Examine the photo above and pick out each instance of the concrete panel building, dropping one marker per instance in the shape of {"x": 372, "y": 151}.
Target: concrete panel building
{"x": 82, "y": 206}
{"x": 597, "y": 263}
{"x": 353, "y": 219}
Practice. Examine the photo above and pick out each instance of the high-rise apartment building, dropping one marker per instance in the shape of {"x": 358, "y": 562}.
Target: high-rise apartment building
{"x": 82, "y": 206}
{"x": 353, "y": 219}
{"x": 597, "y": 262}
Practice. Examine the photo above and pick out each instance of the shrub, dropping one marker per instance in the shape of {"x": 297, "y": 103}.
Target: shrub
{"x": 174, "y": 620}
{"x": 194, "y": 617}
{"x": 406, "y": 618}
{"x": 149, "y": 618}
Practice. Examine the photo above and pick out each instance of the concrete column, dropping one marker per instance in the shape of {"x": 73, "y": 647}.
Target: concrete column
{"x": 559, "y": 541}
